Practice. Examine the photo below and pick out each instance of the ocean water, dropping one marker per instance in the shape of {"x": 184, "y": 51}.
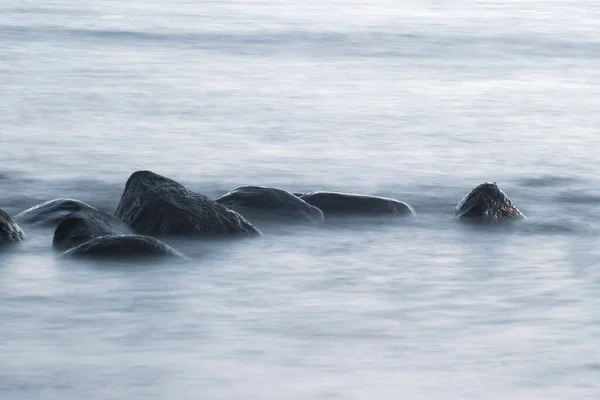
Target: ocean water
{"x": 415, "y": 100}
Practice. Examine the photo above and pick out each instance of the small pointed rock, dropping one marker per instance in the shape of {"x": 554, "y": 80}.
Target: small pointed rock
{"x": 486, "y": 203}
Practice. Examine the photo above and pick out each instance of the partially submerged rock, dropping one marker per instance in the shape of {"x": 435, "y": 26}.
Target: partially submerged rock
{"x": 9, "y": 230}
{"x": 123, "y": 246}
{"x": 486, "y": 203}
{"x": 51, "y": 212}
{"x": 154, "y": 204}
{"x": 81, "y": 226}
{"x": 333, "y": 203}
{"x": 259, "y": 202}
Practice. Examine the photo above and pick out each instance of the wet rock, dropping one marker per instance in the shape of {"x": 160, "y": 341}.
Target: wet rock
{"x": 347, "y": 204}
{"x": 9, "y": 230}
{"x": 51, "y": 212}
{"x": 123, "y": 247}
{"x": 82, "y": 226}
{"x": 258, "y": 202}
{"x": 153, "y": 204}
{"x": 486, "y": 203}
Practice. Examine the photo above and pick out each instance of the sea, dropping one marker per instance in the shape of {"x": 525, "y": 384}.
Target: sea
{"x": 415, "y": 100}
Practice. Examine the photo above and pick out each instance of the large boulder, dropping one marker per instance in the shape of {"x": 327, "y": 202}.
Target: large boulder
{"x": 486, "y": 203}
{"x": 81, "y": 226}
{"x": 155, "y": 205}
{"x": 123, "y": 246}
{"x": 258, "y": 202}
{"x": 9, "y": 230}
{"x": 333, "y": 203}
{"x": 51, "y": 212}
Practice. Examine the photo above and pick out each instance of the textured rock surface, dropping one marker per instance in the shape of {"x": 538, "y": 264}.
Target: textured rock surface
{"x": 487, "y": 203}
{"x": 356, "y": 204}
{"x": 51, "y": 212}
{"x": 257, "y": 202}
{"x": 119, "y": 246}
{"x": 9, "y": 230}
{"x": 154, "y": 204}
{"x": 81, "y": 226}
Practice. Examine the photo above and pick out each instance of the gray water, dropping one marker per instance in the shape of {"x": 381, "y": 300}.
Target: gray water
{"x": 415, "y": 100}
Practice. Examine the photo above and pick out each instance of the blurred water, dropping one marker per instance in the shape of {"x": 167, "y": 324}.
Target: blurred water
{"x": 419, "y": 101}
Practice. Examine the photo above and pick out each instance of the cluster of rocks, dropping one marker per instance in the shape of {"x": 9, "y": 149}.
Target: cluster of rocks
{"x": 153, "y": 206}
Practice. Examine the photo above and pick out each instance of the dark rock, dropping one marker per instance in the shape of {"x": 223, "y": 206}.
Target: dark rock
{"x": 51, "y": 212}
{"x": 488, "y": 204}
{"x": 256, "y": 202}
{"x": 356, "y": 204}
{"x": 9, "y": 230}
{"x": 81, "y": 226}
{"x": 123, "y": 246}
{"x": 154, "y": 204}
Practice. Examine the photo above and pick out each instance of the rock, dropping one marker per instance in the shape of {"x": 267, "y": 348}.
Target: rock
{"x": 153, "y": 204}
{"x": 81, "y": 226}
{"x": 488, "y": 204}
{"x": 258, "y": 202}
{"x": 51, "y": 212}
{"x": 123, "y": 246}
{"x": 333, "y": 203}
{"x": 9, "y": 230}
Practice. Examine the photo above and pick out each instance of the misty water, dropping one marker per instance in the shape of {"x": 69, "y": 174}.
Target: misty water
{"x": 418, "y": 101}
